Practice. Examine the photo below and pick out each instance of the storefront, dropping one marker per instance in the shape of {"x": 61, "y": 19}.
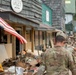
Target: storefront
{"x": 43, "y": 37}
{"x": 24, "y": 27}
{"x": 15, "y": 13}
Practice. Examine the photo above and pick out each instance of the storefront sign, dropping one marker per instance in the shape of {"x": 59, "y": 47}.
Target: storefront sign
{"x": 17, "y": 5}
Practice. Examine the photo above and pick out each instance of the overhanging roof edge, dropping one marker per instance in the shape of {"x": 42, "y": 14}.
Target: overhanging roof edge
{"x": 9, "y": 13}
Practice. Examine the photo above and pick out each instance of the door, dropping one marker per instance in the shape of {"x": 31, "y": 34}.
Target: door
{"x": 18, "y": 45}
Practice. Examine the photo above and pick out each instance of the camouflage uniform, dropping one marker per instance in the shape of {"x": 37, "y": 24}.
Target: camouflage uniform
{"x": 74, "y": 56}
{"x": 70, "y": 48}
{"x": 58, "y": 61}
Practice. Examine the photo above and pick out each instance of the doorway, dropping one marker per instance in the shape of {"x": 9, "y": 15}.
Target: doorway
{"x": 18, "y": 45}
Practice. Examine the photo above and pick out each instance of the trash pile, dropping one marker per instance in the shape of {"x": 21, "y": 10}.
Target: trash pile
{"x": 23, "y": 65}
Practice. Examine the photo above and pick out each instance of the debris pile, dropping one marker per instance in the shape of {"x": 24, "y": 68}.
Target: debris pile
{"x": 24, "y": 64}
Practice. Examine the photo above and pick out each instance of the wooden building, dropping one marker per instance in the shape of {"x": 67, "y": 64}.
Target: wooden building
{"x": 58, "y": 13}
{"x": 25, "y": 16}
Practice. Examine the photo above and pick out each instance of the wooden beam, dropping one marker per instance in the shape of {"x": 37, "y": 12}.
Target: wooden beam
{"x": 32, "y": 40}
{"x": 8, "y": 38}
{"x": 24, "y": 35}
{"x": 13, "y": 43}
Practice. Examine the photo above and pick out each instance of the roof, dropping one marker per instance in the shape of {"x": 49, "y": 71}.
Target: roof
{"x": 9, "y": 15}
{"x": 45, "y": 27}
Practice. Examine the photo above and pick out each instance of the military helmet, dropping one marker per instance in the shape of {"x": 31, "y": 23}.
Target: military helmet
{"x": 61, "y": 34}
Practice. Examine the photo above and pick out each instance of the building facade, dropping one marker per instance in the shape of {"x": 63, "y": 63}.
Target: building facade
{"x": 15, "y": 13}
{"x": 58, "y": 12}
{"x": 25, "y": 16}
{"x": 69, "y": 15}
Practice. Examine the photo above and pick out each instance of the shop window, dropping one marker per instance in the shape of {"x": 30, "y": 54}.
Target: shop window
{"x": 1, "y": 35}
{"x": 5, "y": 38}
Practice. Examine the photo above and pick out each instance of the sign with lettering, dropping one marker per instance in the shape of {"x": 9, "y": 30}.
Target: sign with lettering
{"x": 17, "y": 5}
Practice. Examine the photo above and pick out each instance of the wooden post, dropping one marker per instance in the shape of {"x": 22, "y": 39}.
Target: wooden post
{"x": 32, "y": 40}
{"x": 13, "y": 44}
{"x": 8, "y": 38}
{"x": 14, "y": 47}
{"x": 24, "y": 35}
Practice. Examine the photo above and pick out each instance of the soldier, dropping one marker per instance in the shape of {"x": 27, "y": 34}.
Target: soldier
{"x": 58, "y": 60}
{"x": 74, "y": 53}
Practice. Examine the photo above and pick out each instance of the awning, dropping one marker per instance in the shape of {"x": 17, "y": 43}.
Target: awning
{"x": 57, "y": 30}
{"x": 44, "y": 27}
{"x": 17, "y": 18}
{"x": 10, "y": 30}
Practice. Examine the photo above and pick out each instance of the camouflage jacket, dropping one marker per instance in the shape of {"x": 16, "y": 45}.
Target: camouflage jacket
{"x": 58, "y": 61}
